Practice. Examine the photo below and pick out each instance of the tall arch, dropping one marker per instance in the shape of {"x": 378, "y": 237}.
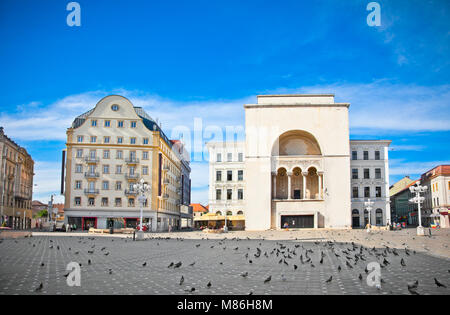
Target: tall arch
{"x": 296, "y": 142}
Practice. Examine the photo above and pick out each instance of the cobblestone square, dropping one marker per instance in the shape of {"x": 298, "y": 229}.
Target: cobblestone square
{"x": 117, "y": 265}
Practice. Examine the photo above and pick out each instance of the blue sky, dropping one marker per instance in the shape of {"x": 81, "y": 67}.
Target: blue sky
{"x": 186, "y": 59}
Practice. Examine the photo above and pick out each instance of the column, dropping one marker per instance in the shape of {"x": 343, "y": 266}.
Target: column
{"x": 275, "y": 186}
{"x": 289, "y": 184}
{"x": 304, "y": 174}
{"x": 319, "y": 175}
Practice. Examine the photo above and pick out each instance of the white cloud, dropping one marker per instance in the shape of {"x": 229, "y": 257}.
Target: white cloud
{"x": 47, "y": 181}
{"x": 400, "y": 167}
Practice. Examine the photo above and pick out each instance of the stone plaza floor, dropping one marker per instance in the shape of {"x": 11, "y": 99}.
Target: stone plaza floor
{"x": 117, "y": 263}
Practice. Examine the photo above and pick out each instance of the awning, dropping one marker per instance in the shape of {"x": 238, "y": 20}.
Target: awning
{"x": 214, "y": 217}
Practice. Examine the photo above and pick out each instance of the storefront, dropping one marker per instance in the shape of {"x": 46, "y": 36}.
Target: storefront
{"x": 88, "y": 222}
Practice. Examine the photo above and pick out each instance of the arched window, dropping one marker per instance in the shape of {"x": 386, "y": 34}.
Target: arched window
{"x": 240, "y": 212}
{"x": 229, "y": 212}
{"x": 296, "y": 142}
{"x": 218, "y": 213}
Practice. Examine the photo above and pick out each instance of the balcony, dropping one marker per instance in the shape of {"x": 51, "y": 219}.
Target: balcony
{"x": 132, "y": 160}
{"x": 90, "y": 191}
{"x": 91, "y": 175}
{"x": 129, "y": 192}
{"x": 91, "y": 159}
{"x": 134, "y": 176}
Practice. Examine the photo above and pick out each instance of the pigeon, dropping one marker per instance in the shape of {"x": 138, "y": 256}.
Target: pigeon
{"x": 177, "y": 265}
{"x": 190, "y": 290}
{"x": 402, "y": 262}
{"x": 244, "y": 275}
{"x": 144, "y": 264}
{"x": 295, "y": 267}
{"x": 413, "y": 285}
{"x": 412, "y": 291}
{"x": 283, "y": 277}
{"x": 439, "y": 284}
{"x": 360, "y": 277}
{"x": 209, "y": 284}
{"x": 89, "y": 261}
{"x": 268, "y": 279}
{"x": 42, "y": 264}
{"x": 339, "y": 268}
{"x": 39, "y": 288}
{"x": 171, "y": 265}
{"x": 192, "y": 264}
{"x": 329, "y": 279}
{"x": 110, "y": 271}
{"x": 181, "y": 280}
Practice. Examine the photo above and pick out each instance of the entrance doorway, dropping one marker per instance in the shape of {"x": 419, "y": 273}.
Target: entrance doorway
{"x": 298, "y": 221}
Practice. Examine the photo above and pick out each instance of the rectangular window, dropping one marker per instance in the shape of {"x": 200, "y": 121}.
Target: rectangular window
{"x": 240, "y": 175}
{"x": 131, "y": 202}
{"x": 378, "y": 173}
{"x": 218, "y": 194}
{"x": 105, "y": 185}
{"x": 104, "y": 202}
{"x": 118, "y": 202}
{"x": 77, "y": 201}
{"x": 118, "y": 185}
{"x": 145, "y": 141}
{"x": 133, "y": 140}
{"x": 93, "y": 139}
{"x": 240, "y": 157}
{"x": 229, "y": 175}
{"x": 91, "y": 201}
{"x": 218, "y": 176}
{"x": 78, "y": 168}
{"x": 240, "y": 194}
{"x": 107, "y": 123}
{"x": 355, "y": 192}
{"x": 378, "y": 192}
{"x": 105, "y": 169}
{"x": 366, "y": 173}
{"x": 354, "y": 155}
{"x": 366, "y": 155}
{"x": 144, "y": 170}
{"x": 145, "y": 155}
{"x": 79, "y": 153}
{"x": 78, "y": 184}
{"x": 106, "y": 139}
{"x": 230, "y": 157}
{"x": 355, "y": 173}
{"x": 377, "y": 155}
{"x": 106, "y": 154}
{"x": 229, "y": 194}
{"x": 118, "y": 169}
{"x": 119, "y": 140}
{"x": 119, "y": 154}
{"x": 120, "y": 124}
{"x": 366, "y": 192}
{"x": 94, "y": 123}
{"x": 80, "y": 139}
{"x": 133, "y": 124}
{"x": 219, "y": 157}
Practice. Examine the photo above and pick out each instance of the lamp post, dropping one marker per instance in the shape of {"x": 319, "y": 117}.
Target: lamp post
{"x": 417, "y": 189}
{"x": 368, "y": 204}
{"x": 225, "y": 228}
{"x": 141, "y": 188}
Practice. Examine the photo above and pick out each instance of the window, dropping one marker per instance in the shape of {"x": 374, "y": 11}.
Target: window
{"x": 377, "y": 155}
{"x": 78, "y": 184}
{"x": 378, "y": 173}
{"x": 118, "y": 185}
{"x": 355, "y": 192}
{"x": 79, "y": 153}
{"x": 106, "y": 139}
{"x": 133, "y": 140}
{"x": 118, "y": 169}
{"x": 120, "y": 124}
{"x": 240, "y": 175}
{"x": 218, "y": 176}
{"x": 80, "y": 139}
{"x": 119, "y": 154}
{"x": 94, "y": 123}
{"x": 354, "y": 155}
{"x": 78, "y": 168}
{"x": 119, "y": 140}
{"x": 355, "y": 173}
{"x": 115, "y": 107}
{"x": 93, "y": 139}
{"x": 240, "y": 194}
{"x": 145, "y": 155}
{"x": 229, "y": 175}
{"x": 230, "y": 157}
{"x": 105, "y": 185}
{"x": 366, "y": 173}
{"x": 106, "y": 154}
{"x": 378, "y": 217}
{"x": 366, "y": 192}
{"x": 130, "y": 202}
{"x": 91, "y": 201}
{"x": 144, "y": 170}
{"x": 229, "y": 194}
{"x": 118, "y": 202}
{"x": 77, "y": 201}
{"x": 219, "y": 157}
{"x": 107, "y": 123}
{"x": 104, "y": 202}
{"x": 218, "y": 194}
{"x": 378, "y": 191}
{"x": 105, "y": 169}
{"x": 145, "y": 141}
{"x": 240, "y": 157}
{"x": 133, "y": 124}
{"x": 366, "y": 155}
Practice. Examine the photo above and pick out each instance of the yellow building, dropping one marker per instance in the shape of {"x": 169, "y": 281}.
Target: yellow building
{"x": 16, "y": 184}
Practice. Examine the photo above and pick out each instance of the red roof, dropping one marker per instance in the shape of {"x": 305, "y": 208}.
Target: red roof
{"x": 438, "y": 170}
{"x": 197, "y": 207}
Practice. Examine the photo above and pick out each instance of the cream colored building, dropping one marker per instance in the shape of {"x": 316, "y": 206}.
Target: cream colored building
{"x": 16, "y": 184}
{"x": 295, "y": 165}
{"x": 110, "y": 148}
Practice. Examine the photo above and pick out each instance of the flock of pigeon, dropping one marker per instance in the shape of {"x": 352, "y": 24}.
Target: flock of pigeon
{"x": 287, "y": 254}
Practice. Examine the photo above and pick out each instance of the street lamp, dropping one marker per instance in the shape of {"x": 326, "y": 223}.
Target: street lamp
{"x": 225, "y": 228}
{"x": 141, "y": 188}
{"x": 417, "y": 189}
{"x": 368, "y": 204}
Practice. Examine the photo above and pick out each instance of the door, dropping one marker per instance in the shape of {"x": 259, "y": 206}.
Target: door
{"x": 355, "y": 222}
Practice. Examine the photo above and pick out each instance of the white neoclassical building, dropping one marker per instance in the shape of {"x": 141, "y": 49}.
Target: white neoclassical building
{"x": 294, "y": 168}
